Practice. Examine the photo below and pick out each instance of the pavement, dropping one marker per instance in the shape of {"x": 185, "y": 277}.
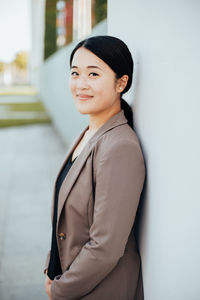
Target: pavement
{"x": 18, "y": 90}
{"x": 20, "y": 105}
{"x": 17, "y": 98}
{"x": 30, "y": 157}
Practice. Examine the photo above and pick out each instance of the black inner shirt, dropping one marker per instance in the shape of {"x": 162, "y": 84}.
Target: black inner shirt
{"x": 54, "y": 267}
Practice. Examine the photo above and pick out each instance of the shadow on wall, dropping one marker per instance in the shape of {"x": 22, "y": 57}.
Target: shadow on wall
{"x": 140, "y": 215}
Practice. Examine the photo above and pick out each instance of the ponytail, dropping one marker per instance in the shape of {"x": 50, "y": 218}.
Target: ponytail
{"x": 128, "y": 112}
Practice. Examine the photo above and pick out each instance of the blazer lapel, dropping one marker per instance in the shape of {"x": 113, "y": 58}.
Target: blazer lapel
{"x": 69, "y": 151}
{"x": 74, "y": 171}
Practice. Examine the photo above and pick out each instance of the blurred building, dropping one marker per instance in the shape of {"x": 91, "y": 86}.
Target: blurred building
{"x": 16, "y": 71}
{"x": 56, "y": 24}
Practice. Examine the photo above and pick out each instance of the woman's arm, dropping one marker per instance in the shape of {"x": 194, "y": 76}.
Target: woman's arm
{"x": 119, "y": 180}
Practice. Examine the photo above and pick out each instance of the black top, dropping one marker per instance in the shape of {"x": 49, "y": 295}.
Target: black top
{"x": 54, "y": 267}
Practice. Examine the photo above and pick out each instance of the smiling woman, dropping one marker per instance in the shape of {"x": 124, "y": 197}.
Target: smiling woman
{"x": 94, "y": 254}
{"x": 93, "y": 80}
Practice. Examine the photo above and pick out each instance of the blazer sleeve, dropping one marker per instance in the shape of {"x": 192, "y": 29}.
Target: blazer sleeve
{"x": 119, "y": 176}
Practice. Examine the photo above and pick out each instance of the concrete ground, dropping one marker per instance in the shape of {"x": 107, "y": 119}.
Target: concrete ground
{"x": 30, "y": 157}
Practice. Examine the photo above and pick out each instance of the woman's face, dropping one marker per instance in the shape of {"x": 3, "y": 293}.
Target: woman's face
{"x": 92, "y": 83}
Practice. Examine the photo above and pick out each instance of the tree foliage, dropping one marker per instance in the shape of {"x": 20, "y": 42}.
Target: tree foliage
{"x": 100, "y": 10}
{"x": 2, "y": 67}
{"x": 21, "y": 60}
{"x": 50, "y": 28}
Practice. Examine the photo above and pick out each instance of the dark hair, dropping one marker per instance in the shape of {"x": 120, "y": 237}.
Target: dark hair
{"x": 115, "y": 53}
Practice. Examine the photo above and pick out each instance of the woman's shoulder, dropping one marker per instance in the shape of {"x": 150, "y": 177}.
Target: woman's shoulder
{"x": 121, "y": 140}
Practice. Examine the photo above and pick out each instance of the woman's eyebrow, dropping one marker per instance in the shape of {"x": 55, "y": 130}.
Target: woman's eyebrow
{"x": 89, "y": 67}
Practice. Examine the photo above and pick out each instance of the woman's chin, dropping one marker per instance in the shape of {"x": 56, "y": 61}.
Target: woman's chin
{"x": 83, "y": 110}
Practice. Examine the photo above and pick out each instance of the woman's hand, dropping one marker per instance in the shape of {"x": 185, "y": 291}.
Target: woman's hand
{"x": 48, "y": 283}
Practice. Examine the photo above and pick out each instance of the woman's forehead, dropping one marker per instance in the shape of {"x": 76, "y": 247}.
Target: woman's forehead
{"x": 85, "y": 58}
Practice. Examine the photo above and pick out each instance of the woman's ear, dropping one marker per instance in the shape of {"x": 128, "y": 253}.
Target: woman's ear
{"x": 122, "y": 82}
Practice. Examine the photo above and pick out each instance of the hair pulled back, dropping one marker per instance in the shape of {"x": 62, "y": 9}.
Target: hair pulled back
{"x": 115, "y": 53}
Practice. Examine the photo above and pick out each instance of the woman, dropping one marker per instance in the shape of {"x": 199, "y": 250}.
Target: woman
{"x": 94, "y": 254}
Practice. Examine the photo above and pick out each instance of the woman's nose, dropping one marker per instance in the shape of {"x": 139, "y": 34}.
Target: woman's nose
{"x": 82, "y": 83}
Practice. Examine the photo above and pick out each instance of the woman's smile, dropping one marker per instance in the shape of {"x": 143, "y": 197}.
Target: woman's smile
{"x": 83, "y": 97}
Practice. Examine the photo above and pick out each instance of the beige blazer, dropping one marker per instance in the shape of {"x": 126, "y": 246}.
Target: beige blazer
{"x": 98, "y": 252}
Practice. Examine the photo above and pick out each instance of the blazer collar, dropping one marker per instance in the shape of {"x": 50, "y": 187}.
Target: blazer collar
{"x": 74, "y": 171}
{"x": 117, "y": 119}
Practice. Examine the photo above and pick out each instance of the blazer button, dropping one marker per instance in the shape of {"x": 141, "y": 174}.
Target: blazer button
{"x": 62, "y": 236}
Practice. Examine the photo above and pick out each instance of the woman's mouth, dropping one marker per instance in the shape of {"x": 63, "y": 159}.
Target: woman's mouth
{"x": 83, "y": 97}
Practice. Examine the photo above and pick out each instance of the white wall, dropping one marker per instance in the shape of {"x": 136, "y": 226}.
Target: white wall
{"x": 55, "y": 92}
{"x": 164, "y": 37}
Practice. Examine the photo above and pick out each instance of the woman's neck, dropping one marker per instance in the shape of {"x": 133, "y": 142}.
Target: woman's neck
{"x": 97, "y": 120}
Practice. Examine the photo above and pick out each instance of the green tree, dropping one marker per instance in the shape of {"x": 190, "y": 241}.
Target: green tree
{"x": 50, "y": 28}
{"x": 21, "y": 60}
{"x": 2, "y": 67}
{"x": 100, "y": 11}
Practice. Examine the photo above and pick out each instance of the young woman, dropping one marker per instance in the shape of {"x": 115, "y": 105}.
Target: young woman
{"x": 93, "y": 254}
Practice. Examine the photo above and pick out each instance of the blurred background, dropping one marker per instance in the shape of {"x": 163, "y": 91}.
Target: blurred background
{"x": 35, "y": 36}
{"x": 38, "y": 121}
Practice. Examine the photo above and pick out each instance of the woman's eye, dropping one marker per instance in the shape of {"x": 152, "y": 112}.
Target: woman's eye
{"x": 74, "y": 73}
{"x": 95, "y": 74}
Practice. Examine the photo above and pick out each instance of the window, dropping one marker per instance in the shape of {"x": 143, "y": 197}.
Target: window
{"x": 82, "y": 26}
{"x": 70, "y": 20}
